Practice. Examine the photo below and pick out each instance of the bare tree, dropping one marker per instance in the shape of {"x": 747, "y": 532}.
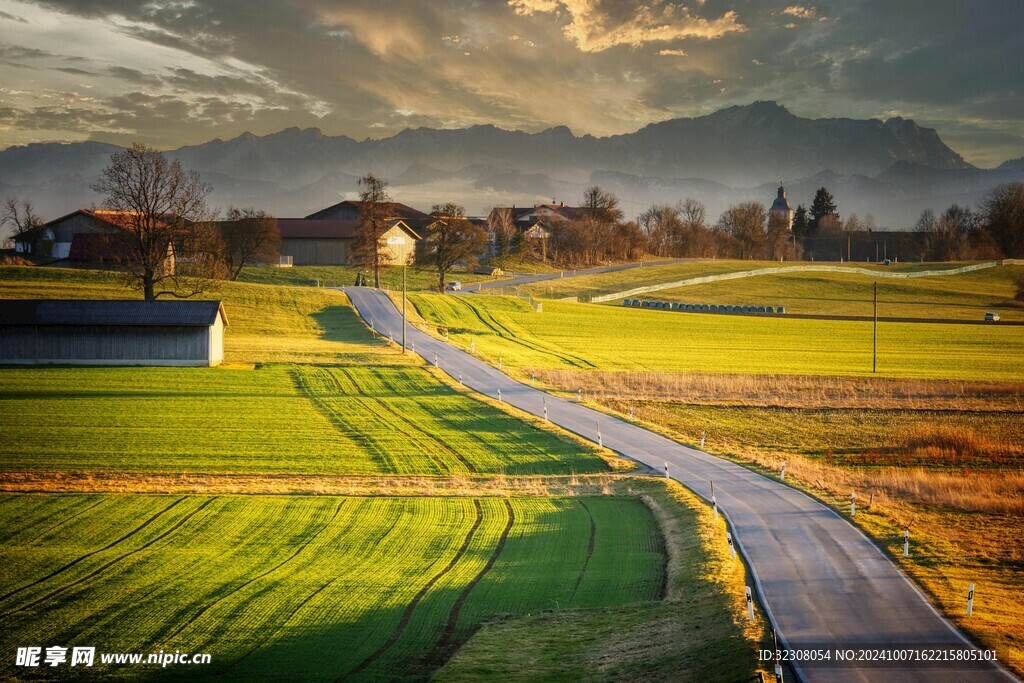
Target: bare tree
{"x": 164, "y": 241}
{"x": 1002, "y": 213}
{"x": 504, "y": 230}
{"x": 451, "y": 238}
{"x": 746, "y": 223}
{"x": 250, "y": 236}
{"x": 370, "y": 248}
{"x": 19, "y": 217}
{"x": 663, "y": 227}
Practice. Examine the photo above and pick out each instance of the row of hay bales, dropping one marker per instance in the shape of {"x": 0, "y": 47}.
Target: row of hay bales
{"x": 702, "y": 308}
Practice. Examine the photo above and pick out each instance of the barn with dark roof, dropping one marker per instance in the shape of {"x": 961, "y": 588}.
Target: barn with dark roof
{"x": 111, "y": 332}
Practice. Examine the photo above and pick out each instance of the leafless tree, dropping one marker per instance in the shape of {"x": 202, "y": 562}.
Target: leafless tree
{"x": 1002, "y": 213}
{"x": 19, "y": 217}
{"x": 164, "y": 241}
{"x": 370, "y": 248}
{"x": 250, "y": 236}
{"x": 503, "y": 228}
{"x": 746, "y": 223}
{"x": 450, "y": 239}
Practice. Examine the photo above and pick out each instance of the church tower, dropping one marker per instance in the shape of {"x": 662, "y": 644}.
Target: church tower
{"x": 782, "y": 209}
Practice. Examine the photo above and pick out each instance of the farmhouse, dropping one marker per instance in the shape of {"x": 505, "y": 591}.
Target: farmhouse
{"x": 86, "y": 238}
{"x": 117, "y": 332}
{"x": 350, "y": 210}
{"x": 322, "y": 242}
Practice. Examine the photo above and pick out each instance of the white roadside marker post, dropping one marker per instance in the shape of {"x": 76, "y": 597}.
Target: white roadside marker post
{"x": 435, "y": 359}
{"x": 391, "y": 334}
{"x": 666, "y": 471}
{"x": 906, "y": 543}
{"x": 545, "y": 408}
{"x": 500, "y": 363}
{"x": 460, "y": 378}
{"x": 499, "y": 395}
{"x": 533, "y": 378}
{"x": 750, "y": 604}
{"x": 703, "y": 434}
{"x": 732, "y": 548}
{"x": 778, "y": 659}
{"x": 579, "y": 395}
{"x": 472, "y": 345}
{"x": 853, "y": 503}
{"x": 714, "y": 501}
{"x": 970, "y": 600}
{"x": 599, "y": 441}
{"x": 631, "y": 413}
{"x": 782, "y": 472}
{"x": 413, "y": 346}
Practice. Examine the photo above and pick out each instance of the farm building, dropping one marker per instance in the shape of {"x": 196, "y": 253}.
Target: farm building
{"x": 350, "y": 209}
{"x": 324, "y": 242}
{"x": 116, "y": 332}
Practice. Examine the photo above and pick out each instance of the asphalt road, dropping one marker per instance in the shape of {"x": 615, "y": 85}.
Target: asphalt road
{"x": 528, "y": 279}
{"x": 823, "y": 583}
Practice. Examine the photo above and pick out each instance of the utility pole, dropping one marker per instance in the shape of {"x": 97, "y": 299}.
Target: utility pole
{"x": 403, "y": 307}
{"x": 874, "y": 334}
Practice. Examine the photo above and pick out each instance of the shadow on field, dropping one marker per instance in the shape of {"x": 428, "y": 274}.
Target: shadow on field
{"x": 341, "y": 324}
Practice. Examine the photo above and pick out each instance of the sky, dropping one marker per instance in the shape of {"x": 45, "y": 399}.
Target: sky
{"x": 181, "y": 72}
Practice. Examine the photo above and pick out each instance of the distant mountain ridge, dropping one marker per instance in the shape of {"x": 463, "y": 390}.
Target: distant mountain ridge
{"x": 294, "y": 172}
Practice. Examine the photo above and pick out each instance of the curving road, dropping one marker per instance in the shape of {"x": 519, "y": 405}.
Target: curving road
{"x": 529, "y": 279}
{"x": 824, "y": 584}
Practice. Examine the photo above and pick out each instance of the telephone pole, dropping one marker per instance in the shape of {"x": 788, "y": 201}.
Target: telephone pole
{"x": 874, "y": 334}
{"x": 403, "y": 307}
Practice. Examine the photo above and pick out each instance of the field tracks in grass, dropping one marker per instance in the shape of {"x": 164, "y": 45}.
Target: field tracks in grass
{"x": 489, "y": 321}
{"x": 62, "y": 522}
{"x": 234, "y": 591}
{"x": 411, "y": 607}
{"x": 445, "y": 645}
{"x": 86, "y": 556}
{"x": 590, "y": 549}
{"x": 99, "y": 570}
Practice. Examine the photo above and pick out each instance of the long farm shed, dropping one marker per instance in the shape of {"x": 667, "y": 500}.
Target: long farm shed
{"x": 111, "y": 332}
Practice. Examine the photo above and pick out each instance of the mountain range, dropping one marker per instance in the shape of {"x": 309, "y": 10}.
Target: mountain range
{"x": 891, "y": 169}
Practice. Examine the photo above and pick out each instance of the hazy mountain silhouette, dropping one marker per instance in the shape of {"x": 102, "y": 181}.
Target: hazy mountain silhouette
{"x": 891, "y": 168}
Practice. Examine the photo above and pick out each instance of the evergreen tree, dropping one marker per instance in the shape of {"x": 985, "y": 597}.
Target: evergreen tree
{"x": 801, "y": 222}
{"x": 823, "y": 205}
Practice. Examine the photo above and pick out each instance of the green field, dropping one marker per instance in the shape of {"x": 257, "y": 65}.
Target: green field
{"x": 598, "y": 337}
{"x": 265, "y": 324}
{"x": 417, "y": 279}
{"x": 964, "y": 297}
{"x": 655, "y": 273}
{"x": 277, "y": 419}
{"x": 307, "y": 587}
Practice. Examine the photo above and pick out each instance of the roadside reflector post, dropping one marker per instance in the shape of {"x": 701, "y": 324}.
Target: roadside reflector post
{"x": 732, "y": 548}
{"x": 714, "y": 501}
{"x": 435, "y": 359}
{"x": 631, "y": 413}
{"x": 778, "y": 658}
{"x": 533, "y": 378}
{"x": 750, "y": 604}
{"x": 545, "y": 408}
{"x": 412, "y": 345}
{"x": 906, "y": 543}
{"x": 853, "y": 503}
{"x": 666, "y": 471}
{"x": 499, "y": 395}
{"x": 500, "y": 362}
{"x": 599, "y": 441}
{"x": 460, "y": 378}
{"x": 782, "y": 472}
{"x": 392, "y": 336}
{"x": 970, "y": 600}
{"x": 579, "y": 395}
{"x": 472, "y": 345}
{"x": 371, "y": 323}
{"x": 703, "y": 435}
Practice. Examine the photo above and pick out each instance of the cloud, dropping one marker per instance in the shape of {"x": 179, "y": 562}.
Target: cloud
{"x": 801, "y": 12}
{"x": 597, "y": 25}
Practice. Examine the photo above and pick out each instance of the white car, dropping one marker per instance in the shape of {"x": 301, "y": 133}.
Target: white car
{"x": 991, "y": 317}
{"x": 453, "y": 286}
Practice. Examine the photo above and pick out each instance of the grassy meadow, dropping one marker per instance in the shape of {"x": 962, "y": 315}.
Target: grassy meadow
{"x": 968, "y": 296}
{"x": 318, "y": 588}
{"x": 468, "y": 514}
{"x": 278, "y": 419}
{"x": 569, "y": 335}
{"x": 417, "y": 279}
